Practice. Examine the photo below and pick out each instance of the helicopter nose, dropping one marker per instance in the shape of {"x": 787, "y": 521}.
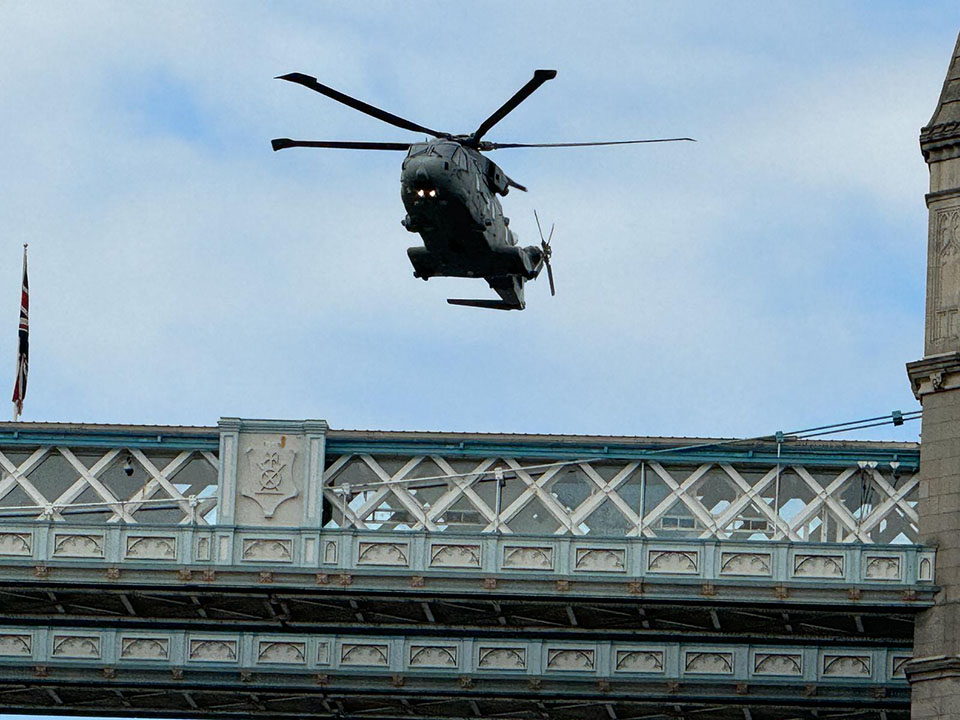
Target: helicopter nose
{"x": 422, "y": 174}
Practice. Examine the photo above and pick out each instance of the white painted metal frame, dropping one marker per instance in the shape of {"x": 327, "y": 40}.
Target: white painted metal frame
{"x": 890, "y": 500}
{"x": 122, "y": 510}
{"x": 816, "y": 505}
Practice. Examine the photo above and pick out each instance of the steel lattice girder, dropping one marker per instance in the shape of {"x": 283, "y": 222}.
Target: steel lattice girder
{"x": 858, "y": 503}
{"x": 187, "y": 699}
{"x": 837, "y": 492}
{"x": 618, "y": 547}
{"x": 474, "y": 615}
{"x": 56, "y": 480}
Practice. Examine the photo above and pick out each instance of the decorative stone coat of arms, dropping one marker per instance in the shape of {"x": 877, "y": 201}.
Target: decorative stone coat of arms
{"x": 271, "y": 471}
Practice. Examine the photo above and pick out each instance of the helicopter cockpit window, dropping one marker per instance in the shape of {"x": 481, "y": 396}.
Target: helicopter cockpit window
{"x": 415, "y": 150}
{"x": 459, "y": 159}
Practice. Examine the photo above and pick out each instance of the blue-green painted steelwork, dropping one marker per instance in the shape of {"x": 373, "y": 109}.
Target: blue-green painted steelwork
{"x": 816, "y": 453}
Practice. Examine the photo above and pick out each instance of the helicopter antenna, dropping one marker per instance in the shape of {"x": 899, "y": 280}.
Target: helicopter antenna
{"x": 547, "y": 251}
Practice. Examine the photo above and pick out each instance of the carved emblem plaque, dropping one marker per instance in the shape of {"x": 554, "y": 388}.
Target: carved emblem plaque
{"x": 270, "y": 480}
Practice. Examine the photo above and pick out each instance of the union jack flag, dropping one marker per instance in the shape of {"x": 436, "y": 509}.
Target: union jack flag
{"x": 23, "y": 350}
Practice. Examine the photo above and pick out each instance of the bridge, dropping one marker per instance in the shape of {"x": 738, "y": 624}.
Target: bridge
{"x": 283, "y": 568}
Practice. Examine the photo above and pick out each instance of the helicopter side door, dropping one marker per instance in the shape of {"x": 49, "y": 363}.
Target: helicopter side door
{"x": 483, "y": 197}
{"x": 475, "y": 188}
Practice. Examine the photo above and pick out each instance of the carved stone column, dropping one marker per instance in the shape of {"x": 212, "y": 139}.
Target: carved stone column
{"x": 271, "y": 473}
{"x": 934, "y": 673}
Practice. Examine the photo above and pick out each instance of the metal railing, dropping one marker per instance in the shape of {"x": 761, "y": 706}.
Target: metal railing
{"x": 739, "y": 498}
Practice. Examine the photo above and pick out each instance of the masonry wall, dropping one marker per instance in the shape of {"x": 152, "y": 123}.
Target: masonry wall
{"x": 934, "y": 673}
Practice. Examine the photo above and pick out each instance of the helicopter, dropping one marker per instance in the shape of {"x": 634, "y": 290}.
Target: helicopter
{"x": 450, "y": 192}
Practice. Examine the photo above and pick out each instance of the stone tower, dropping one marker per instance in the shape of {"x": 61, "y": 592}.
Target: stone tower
{"x": 935, "y": 671}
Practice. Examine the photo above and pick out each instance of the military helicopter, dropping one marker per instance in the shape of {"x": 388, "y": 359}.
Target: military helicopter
{"x": 449, "y": 190}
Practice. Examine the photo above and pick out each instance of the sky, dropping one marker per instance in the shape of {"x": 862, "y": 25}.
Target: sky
{"x": 769, "y": 276}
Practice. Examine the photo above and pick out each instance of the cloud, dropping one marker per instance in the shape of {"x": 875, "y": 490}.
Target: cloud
{"x": 770, "y": 275}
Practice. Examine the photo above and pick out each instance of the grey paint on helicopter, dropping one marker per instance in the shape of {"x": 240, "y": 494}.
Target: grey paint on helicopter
{"x": 450, "y": 190}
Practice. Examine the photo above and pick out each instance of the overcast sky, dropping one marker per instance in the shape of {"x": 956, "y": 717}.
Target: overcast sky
{"x": 770, "y": 276}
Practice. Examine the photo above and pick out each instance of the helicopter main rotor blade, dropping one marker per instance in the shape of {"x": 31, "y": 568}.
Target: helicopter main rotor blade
{"x": 284, "y": 143}
{"x": 499, "y": 146}
{"x": 311, "y": 82}
{"x": 539, "y": 78}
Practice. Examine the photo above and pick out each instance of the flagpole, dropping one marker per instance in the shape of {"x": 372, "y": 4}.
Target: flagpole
{"x": 19, "y": 389}
{"x": 16, "y": 415}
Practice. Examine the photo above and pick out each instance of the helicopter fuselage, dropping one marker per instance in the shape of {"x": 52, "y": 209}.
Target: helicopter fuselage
{"x": 450, "y": 193}
{"x": 450, "y": 190}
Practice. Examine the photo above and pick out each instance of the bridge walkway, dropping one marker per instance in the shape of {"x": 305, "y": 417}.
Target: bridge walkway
{"x": 502, "y": 577}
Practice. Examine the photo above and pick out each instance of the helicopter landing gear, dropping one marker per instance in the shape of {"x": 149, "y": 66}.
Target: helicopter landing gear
{"x": 423, "y": 266}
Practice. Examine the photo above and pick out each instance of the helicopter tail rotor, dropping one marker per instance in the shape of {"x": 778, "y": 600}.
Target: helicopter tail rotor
{"x": 547, "y": 251}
